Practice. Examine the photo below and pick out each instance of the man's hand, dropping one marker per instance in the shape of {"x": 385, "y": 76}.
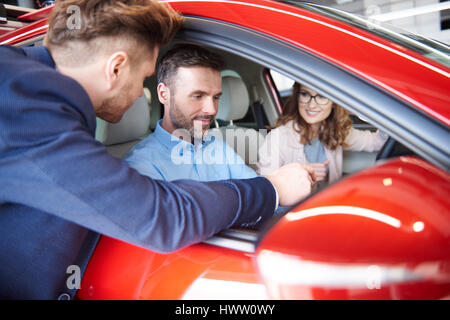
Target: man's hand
{"x": 292, "y": 182}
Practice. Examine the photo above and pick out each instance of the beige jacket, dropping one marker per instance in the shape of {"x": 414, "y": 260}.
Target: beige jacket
{"x": 282, "y": 146}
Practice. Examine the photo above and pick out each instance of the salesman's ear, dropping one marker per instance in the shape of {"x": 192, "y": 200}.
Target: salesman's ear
{"x": 163, "y": 93}
{"x": 116, "y": 67}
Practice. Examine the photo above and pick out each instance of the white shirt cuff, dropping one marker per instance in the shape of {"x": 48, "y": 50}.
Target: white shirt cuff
{"x": 277, "y": 199}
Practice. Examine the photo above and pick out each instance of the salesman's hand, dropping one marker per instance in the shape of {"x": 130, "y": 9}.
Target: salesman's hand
{"x": 292, "y": 182}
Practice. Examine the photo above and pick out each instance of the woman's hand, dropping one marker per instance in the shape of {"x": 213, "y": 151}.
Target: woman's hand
{"x": 320, "y": 170}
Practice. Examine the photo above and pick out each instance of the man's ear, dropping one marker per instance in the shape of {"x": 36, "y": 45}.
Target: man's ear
{"x": 163, "y": 93}
{"x": 116, "y": 67}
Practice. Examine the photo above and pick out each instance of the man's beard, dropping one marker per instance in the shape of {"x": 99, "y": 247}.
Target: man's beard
{"x": 195, "y": 129}
{"x": 112, "y": 109}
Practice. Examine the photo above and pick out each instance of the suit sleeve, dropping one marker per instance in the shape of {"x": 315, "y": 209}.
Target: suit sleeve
{"x": 51, "y": 162}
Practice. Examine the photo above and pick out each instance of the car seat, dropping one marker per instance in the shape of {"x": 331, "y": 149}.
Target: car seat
{"x": 120, "y": 137}
{"x": 233, "y": 105}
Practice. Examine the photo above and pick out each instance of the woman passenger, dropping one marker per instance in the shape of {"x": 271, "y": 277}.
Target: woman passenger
{"x": 314, "y": 130}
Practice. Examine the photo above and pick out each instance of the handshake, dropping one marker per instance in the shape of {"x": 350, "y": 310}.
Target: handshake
{"x": 294, "y": 181}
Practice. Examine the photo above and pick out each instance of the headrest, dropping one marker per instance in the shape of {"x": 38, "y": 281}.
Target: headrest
{"x": 234, "y": 102}
{"x": 134, "y": 124}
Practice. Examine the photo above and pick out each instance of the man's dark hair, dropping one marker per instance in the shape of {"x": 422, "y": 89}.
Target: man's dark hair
{"x": 186, "y": 55}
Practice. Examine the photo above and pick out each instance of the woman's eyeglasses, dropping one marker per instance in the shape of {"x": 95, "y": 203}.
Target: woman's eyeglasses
{"x": 305, "y": 97}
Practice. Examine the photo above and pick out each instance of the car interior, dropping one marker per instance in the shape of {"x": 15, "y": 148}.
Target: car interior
{"x": 251, "y": 102}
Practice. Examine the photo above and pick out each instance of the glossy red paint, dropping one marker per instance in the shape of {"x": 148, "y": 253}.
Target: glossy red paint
{"x": 32, "y": 30}
{"x": 119, "y": 270}
{"x": 425, "y": 85}
{"x": 404, "y": 243}
{"x": 39, "y": 14}
{"x": 393, "y": 218}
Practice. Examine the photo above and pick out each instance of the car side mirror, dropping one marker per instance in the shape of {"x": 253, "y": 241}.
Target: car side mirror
{"x": 363, "y": 238}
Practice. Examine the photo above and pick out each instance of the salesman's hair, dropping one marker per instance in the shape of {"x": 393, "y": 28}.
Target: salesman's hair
{"x": 120, "y": 25}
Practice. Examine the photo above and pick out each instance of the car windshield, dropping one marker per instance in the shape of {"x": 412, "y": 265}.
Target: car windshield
{"x": 429, "y": 48}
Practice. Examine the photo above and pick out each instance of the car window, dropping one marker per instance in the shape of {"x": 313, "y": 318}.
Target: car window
{"x": 283, "y": 85}
{"x": 353, "y": 161}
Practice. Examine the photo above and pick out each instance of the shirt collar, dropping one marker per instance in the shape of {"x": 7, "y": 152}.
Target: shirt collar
{"x": 169, "y": 140}
{"x": 41, "y": 54}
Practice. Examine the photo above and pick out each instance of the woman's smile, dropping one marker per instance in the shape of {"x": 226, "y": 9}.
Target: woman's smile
{"x": 313, "y": 113}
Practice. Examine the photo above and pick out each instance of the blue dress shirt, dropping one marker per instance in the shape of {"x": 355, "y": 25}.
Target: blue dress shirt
{"x": 162, "y": 155}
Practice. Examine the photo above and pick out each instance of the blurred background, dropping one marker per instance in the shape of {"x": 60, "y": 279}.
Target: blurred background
{"x": 33, "y": 4}
{"x": 429, "y": 18}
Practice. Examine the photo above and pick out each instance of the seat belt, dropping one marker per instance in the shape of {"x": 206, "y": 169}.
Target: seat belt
{"x": 258, "y": 110}
{"x": 260, "y": 116}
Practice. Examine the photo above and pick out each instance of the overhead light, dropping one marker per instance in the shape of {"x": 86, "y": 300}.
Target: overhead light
{"x": 411, "y": 12}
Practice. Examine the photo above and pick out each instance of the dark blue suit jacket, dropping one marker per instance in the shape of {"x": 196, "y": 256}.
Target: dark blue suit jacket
{"x": 57, "y": 183}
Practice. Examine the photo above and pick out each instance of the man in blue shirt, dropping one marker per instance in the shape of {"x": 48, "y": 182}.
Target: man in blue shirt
{"x": 189, "y": 87}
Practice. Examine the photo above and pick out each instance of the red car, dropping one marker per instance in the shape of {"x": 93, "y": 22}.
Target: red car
{"x": 380, "y": 232}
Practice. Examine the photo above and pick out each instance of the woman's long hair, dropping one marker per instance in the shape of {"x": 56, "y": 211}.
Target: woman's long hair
{"x": 332, "y": 132}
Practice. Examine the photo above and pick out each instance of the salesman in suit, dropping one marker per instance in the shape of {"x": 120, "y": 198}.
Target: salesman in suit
{"x": 59, "y": 187}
